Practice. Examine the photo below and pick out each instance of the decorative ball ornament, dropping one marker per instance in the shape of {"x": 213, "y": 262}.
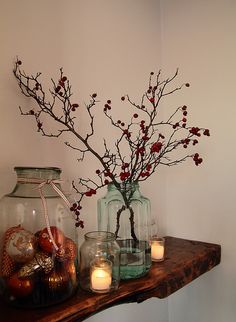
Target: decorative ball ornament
{"x": 68, "y": 251}
{"x": 21, "y": 246}
{"x": 19, "y": 287}
{"x": 71, "y": 249}
{"x": 57, "y": 280}
{"x": 71, "y": 269}
{"x": 41, "y": 262}
{"x": 45, "y": 241}
{"x": 8, "y": 264}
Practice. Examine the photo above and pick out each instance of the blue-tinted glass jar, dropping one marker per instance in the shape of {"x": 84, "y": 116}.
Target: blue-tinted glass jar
{"x": 131, "y": 224}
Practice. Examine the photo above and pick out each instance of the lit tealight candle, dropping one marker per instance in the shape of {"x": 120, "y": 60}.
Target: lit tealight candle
{"x": 101, "y": 276}
{"x": 157, "y": 249}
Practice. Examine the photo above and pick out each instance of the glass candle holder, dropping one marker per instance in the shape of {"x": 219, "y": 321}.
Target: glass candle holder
{"x": 99, "y": 264}
{"x": 157, "y": 249}
{"x": 100, "y": 275}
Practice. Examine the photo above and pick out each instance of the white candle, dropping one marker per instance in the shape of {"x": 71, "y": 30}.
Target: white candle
{"x": 100, "y": 279}
{"x": 157, "y": 251}
{"x": 157, "y": 248}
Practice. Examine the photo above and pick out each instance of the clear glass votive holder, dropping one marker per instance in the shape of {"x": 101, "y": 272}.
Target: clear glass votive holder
{"x": 157, "y": 249}
{"x": 101, "y": 253}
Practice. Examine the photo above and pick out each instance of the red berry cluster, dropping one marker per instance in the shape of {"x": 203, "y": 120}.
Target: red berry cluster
{"x": 61, "y": 86}
{"x": 125, "y": 174}
{"x": 106, "y": 181}
{"x": 74, "y": 106}
{"x": 108, "y": 173}
{"x": 144, "y": 174}
{"x": 37, "y": 86}
{"x": 140, "y": 150}
{"x": 196, "y": 159}
{"x": 195, "y": 131}
{"x": 144, "y": 130}
{"x": 175, "y": 125}
{"x": 107, "y": 106}
{"x": 206, "y": 132}
{"x": 76, "y": 209}
{"x": 127, "y": 133}
{"x": 120, "y": 123}
{"x": 185, "y": 113}
{"x": 90, "y": 192}
{"x": 156, "y": 147}
{"x": 40, "y": 125}
{"x": 185, "y": 142}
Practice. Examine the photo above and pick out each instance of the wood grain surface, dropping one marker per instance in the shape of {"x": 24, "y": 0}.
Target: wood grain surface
{"x": 185, "y": 260}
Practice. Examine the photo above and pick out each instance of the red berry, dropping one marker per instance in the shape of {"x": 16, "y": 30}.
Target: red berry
{"x": 94, "y": 95}
{"x": 57, "y": 89}
{"x": 206, "y": 132}
{"x": 40, "y": 125}
{"x": 123, "y": 98}
{"x": 135, "y": 115}
{"x": 187, "y": 84}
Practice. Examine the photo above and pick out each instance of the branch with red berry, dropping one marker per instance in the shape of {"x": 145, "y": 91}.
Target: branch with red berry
{"x": 150, "y": 142}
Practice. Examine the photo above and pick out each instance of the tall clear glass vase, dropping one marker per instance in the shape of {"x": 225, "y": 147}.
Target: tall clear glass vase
{"x": 131, "y": 223}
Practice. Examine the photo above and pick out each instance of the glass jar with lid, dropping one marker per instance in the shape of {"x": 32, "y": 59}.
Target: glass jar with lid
{"x": 38, "y": 255}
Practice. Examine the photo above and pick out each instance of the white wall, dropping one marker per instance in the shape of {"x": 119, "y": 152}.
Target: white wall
{"x": 110, "y": 47}
{"x": 105, "y": 46}
{"x": 199, "y": 37}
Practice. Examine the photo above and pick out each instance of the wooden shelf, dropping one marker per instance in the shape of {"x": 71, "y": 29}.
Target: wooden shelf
{"x": 185, "y": 260}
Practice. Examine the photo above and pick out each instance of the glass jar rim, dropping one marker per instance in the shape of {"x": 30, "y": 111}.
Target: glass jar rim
{"x": 124, "y": 186}
{"x": 103, "y": 236}
{"x": 18, "y": 168}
